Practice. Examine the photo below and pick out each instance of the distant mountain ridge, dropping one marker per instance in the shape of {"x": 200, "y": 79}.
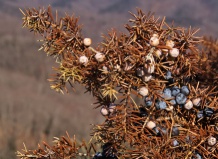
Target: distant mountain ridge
{"x": 197, "y": 13}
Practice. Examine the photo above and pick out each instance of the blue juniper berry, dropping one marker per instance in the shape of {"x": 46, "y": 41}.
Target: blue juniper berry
{"x": 175, "y": 131}
{"x": 175, "y": 143}
{"x": 200, "y": 114}
{"x": 173, "y": 102}
{"x": 181, "y": 98}
{"x": 185, "y": 90}
{"x": 208, "y": 112}
{"x": 160, "y": 104}
{"x": 175, "y": 90}
{"x": 167, "y": 93}
{"x": 168, "y": 75}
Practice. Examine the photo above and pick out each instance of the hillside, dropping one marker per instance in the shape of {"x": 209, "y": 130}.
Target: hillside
{"x": 29, "y": 110}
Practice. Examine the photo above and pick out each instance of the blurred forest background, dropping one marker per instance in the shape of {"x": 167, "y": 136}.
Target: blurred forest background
{"x": 30, "y": 111}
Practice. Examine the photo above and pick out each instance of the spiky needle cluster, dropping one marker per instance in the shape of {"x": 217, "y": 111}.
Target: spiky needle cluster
{"x": 156, "y": 86}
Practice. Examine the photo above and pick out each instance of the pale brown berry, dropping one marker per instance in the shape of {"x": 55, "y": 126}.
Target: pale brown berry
{"x": 104, "y": 111}
{"x": 143, "y": 91}
{"x": 154, "y": 41}
{"x": 99, "y": 57}
{"x": 174, "y": 52}
{"x": 196, "y": 101}
{"x": 87, "y": 41}
{"x": 211, "y": 141}
{"x": 188, "y": 105}
{"x": 151, "y": 124}
{"x": 83, "y": 60}
{"x": 147, "y": 77}
{"x": 158, "y": 53}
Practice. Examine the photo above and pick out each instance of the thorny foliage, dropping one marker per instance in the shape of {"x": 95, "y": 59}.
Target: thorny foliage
{"x": 65, "y": 147}
{"x": 111, "y": 72}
